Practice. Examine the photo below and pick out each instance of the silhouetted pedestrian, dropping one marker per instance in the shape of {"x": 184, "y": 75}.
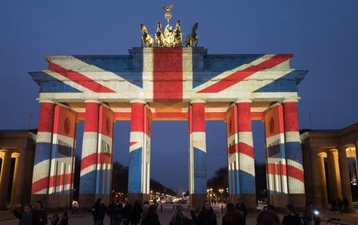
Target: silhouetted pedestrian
{"x": 39, "y": 216}
{"x": 340, "y": 205}
{"x": 136, "y": 213}
{"x": 345, "y": 204}
{"x": 54, "y": 219}
{"x": 99, "y": 212}
{"x": 267, "y": 217}
{"x": 182, "y": 216}
{"x": 232, "y": 216}
{"x": 64, "y": 219}
{"x": 152, "y": 217}
{"x": 206, "y": 215}
{"x": 291, "y": 217}
{"x": 307, "y": 214}
{"x": 242, "y": 207}
{"x": 126, "y": 213}
{"x": 25, "y": 217}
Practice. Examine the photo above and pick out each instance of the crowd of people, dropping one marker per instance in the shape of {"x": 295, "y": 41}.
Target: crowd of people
{"x": 38, "y": 216}
{"x": 136, "y": 214}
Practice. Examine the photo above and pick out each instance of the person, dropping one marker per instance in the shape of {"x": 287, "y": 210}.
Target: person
{"x": 345, "y": 204}
{"x": 54, "y": 219}
{"x": 291, "y": 217}
{"x": 267, "y": 217}
{"x": 39, "y": 216}
{"x": 307, "y": 214}
{"x": 126, "y": 213}
{"x": 333, "y": 205}
{"x": 152, "y": 217}
{"x": 115, "y": 212}
{"x": 232, "y": 216}
{"x": 136, "y": 213}
{"x": 272, "y": 208}
{"x": 180, "y": 216}
{"x": 145, "y": 212}
{"x": 242, "y": 207}
{"x": 340, "y": 205}
{"x": 64, "y": 219}
{"x": 25, "y": 217}
{"x": 98, "y": 212}
{"x": 206, "y": 215}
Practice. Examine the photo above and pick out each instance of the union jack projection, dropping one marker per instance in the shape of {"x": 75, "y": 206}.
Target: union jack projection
{"x": 172, "y": 84}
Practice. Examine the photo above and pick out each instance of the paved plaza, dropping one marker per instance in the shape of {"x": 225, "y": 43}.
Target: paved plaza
{"x": 165, "y": 213}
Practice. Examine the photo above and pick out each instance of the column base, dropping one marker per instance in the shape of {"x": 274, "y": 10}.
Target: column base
{"x": 250, "y": 201}
{"x": 39, "y": 197}
{"x": 279, "y": 200}
{"x": 86, "y": 201}
{"x": 197, "y": 200}
{"x": 140, "y": 197}
{"x": 298, "y": 200}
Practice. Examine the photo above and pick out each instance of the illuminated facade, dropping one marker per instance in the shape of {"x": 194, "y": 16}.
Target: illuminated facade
{"x": 151, "y": 84}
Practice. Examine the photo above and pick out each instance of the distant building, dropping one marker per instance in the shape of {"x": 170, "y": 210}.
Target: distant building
{"x": 17, "y": 150}
{"x": 330, "y": 165}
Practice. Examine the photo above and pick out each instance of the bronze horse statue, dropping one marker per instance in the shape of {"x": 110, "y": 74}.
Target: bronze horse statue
{"x": 178, "y": 37}
{"x": 159, "y": 37}
{"x": 193, "y": 37}
{"x": 146, "y": 38}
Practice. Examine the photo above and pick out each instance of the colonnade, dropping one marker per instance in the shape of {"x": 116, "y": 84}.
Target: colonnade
{"x": 54, "y": 159}
{"x": 326, "y": 156}
{"x": 16, "y": 153}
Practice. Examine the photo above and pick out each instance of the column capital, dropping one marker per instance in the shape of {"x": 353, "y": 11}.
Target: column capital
{"x": 243, "y": 101}
{"x": 15, "y": 154}
{"x": 197, "y": 101}
{"x": 287, "y": 100}
{"x": 138, "y": 101}
{"x": 47, "y": 101}
{"x": 92, "y": 101}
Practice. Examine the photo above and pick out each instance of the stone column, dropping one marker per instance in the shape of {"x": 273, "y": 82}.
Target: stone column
{"x": 89, "y": 155}
{"x": 322, "y": 180}
{"x": 20, "y": 178}
{"x": 246, "y": 155}
{"x": 41, "y": 172}
{"x": 334, "y": 176}
{"x": 138, "y": 176}
{"x": 316, "y": 181}
{"x": 346, "y": 183}
{"x": 294, "y": 155}
{"x": 15, "y": 179}
{"x": 197, "y": 154}
{"x": 4, "y": 177}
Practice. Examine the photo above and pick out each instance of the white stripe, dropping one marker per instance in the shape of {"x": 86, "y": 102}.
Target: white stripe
{"x": 295, "y": 186}
{"x": 199, "y": 140}
{"x": 246, "y": 137}
{"x": 88, "y": 170}
{"x": 43, "y": 137}
{"x": 229, "y": 72}
{"x": 136, "y": 137}
{"x": 294, "y": 164}
{"x": 191, "y": 164}
{"x": 89, "y": 145}
{"x": 278, "y": 137}
{"x": 276, "y": 160}
{"x": 39, "y": 170}
{"x": 68, "y": 140}
{"x": 187, "y": 61}
{"x": 293, "y": 136}
{"x": 233, "y": 139}
{"x": 148, "y": 68}
{"x": 232, "y": 158}
{"x": 107, "y": 140}
{"x": 247, "y": 164}
{"x": 67, "y": 81}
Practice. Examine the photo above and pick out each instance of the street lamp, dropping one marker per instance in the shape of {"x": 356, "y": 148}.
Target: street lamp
{"x": 221, "y": 194}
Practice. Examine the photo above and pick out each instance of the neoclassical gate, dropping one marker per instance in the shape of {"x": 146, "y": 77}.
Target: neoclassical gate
{"x": 149, "y": 84}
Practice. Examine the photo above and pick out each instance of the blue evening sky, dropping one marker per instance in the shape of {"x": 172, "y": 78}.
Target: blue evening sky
{"x": 322, "y": 35}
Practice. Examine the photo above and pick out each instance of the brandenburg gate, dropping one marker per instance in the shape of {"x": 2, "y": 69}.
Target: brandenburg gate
{"x": 160, "y": 84}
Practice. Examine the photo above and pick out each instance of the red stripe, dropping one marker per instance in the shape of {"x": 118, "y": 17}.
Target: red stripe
{"x": 246, "y": 149}
{"x": 240, "y": 75}
{"x": 104, "y": 158}
{"x": 137, "y": 117}
{"x": 80, "y": 79}
{"x": 91, "y": 121}
{"x": 244, "y": 117}
{"x": 271, "y": 171}
{"x": 91, "y": 159}
{"x": 295, "y": 173}
{"x": 198, "y": 117}
{"x": 54, "y": 181}
{"x": 46, "y": 117}
{"x": 132, "y": 143}
{"x": 291, "y": 118}
{"x": 168, "y": 74}
{"x": 233, "y": 149}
